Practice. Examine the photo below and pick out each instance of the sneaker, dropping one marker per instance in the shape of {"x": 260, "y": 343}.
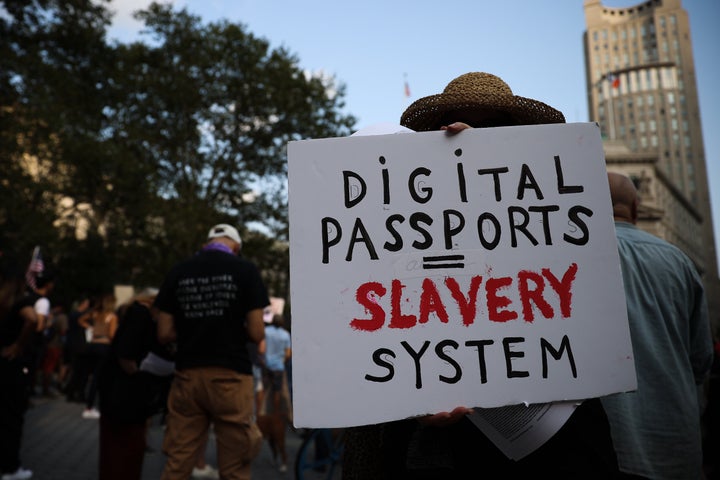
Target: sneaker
{"x": 19, "y": 474}
{"x": 91, "y": 413}
{"x": 205, "y": 472}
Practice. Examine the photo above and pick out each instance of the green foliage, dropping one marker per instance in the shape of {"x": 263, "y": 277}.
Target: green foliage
{"x": 141, "y": 147}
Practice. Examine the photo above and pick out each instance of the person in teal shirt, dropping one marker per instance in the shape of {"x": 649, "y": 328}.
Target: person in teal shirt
{"x": 656, "y": 429}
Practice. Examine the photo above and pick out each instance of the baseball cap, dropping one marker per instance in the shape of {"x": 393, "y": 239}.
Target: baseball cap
{"x": 225, "y": 230}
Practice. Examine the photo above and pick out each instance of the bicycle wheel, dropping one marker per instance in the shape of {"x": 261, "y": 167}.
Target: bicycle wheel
{"x": 319, "y": 455}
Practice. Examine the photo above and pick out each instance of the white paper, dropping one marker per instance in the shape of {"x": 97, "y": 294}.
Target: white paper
{"x": 519, "y": 430}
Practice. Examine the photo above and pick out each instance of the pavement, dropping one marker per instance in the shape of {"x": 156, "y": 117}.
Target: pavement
{"x": 58, "y": 444}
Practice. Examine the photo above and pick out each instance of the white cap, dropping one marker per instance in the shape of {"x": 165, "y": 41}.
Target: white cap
{"x": 225, "y": 230}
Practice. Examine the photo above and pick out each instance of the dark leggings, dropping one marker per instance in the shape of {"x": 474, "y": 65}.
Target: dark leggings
{"x": 96, "y": 355}
{"x": 13, "y": 404}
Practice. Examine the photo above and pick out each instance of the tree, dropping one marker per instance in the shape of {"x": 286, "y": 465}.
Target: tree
{"x": 146, "y": 145}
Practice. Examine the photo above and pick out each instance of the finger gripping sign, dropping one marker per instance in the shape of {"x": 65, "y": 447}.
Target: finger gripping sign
{"x": 430, "y": 271}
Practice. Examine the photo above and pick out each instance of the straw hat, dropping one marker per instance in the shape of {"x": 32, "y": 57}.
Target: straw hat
{"x": 479, "y": 92}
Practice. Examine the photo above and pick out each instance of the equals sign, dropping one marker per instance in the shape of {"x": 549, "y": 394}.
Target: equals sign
{"x": 443, "y": 261}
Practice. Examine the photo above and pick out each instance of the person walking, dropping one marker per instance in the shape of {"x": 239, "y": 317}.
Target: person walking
{"x": 656, "y": 428}
{"x": 211, "y": 305}
{"x": 277, "y": 352}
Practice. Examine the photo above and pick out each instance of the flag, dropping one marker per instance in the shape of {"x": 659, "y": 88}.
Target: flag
{"x": 614, "y": 80}
{"x": 407, "y": 88}
{"x": 35, "y": 268}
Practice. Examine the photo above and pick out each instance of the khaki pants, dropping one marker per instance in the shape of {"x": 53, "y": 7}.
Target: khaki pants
{"x": 223, "y": 397}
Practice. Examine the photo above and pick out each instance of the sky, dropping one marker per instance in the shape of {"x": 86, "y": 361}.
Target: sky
{"x": 375, "y": 46}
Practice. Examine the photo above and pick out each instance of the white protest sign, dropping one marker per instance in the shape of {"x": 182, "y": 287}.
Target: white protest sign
{"x": 429, "y": 271}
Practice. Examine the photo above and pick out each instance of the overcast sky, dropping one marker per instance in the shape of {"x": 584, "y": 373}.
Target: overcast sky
{"x": 374, "y": 46}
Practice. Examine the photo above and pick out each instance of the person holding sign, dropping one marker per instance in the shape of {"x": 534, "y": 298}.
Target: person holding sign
{"x": 448, "y": 444}
{"x": 656, "y": 429}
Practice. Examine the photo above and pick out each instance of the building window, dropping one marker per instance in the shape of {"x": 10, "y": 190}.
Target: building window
{"x": 653, "y": 126}
{"x": 643, "y": 142}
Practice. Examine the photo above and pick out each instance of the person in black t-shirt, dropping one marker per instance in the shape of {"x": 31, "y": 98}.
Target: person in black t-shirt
{"x": 212, "y": 305}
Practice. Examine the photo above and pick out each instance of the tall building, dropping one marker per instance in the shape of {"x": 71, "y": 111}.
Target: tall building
{"x": 642, "y": 90}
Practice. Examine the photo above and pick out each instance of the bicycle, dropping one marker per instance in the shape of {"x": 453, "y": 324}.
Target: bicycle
{"x": 320, "y": 454}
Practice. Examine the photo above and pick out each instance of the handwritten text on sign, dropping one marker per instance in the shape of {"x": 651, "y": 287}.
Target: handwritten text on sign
{"x": 435, "y": 271}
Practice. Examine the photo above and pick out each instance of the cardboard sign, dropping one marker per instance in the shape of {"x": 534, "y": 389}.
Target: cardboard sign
{"x": 429, "y": 271}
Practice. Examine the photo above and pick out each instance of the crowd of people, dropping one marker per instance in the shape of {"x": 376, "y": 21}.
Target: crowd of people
{"x": 203, "y": 351}
{"x": 121, "y": 360}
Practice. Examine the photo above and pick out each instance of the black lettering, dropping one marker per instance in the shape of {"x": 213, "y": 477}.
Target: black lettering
{"x": 449, "y": 230}
{"x": 385, "y": 182}
{"x": 394, "y": 247}
{"x": 328, "y": 242}
{"x": 381, "y": 362}
{"x": 546, "y": 221}
{"x": 411, "y": 186}
{"x": 440, "y": 352}
{"x": 527, "y": 180}
{"x": 416, "y": 358}
{"x": 562, "y": 189}
{"x": 480, "y": 344}
{"x": 491, "y": 218}
{"x": 564, "y": 347}
{"x": 462, "y": 186}
{"x": 509, "y": 355}
{"x": 415, "y": 220}
{"x": 495, "y": 172}
{"x": 522, "y": 227}
{"x": 573, "y": 216}
{"x": 360, "y": 235}
{"x": 353, "y": 197}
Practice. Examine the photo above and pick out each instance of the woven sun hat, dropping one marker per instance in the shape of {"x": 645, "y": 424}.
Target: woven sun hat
{"x": 478, "y": 92}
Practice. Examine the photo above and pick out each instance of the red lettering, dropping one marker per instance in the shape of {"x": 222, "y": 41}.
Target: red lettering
{"x": 535, "y": 295}
{"x": 563, "y": 288}
{"x": 364, "y": 298}
{"x": 397, "y": 319}
{"x": 497, "y": 302}
{"x": 467, "y": 306}
{"x": 430, "y": 301}
{"x": 530, "y": 290}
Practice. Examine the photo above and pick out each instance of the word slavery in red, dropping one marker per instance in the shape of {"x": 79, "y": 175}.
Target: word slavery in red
{"x": 531, "y": 288}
